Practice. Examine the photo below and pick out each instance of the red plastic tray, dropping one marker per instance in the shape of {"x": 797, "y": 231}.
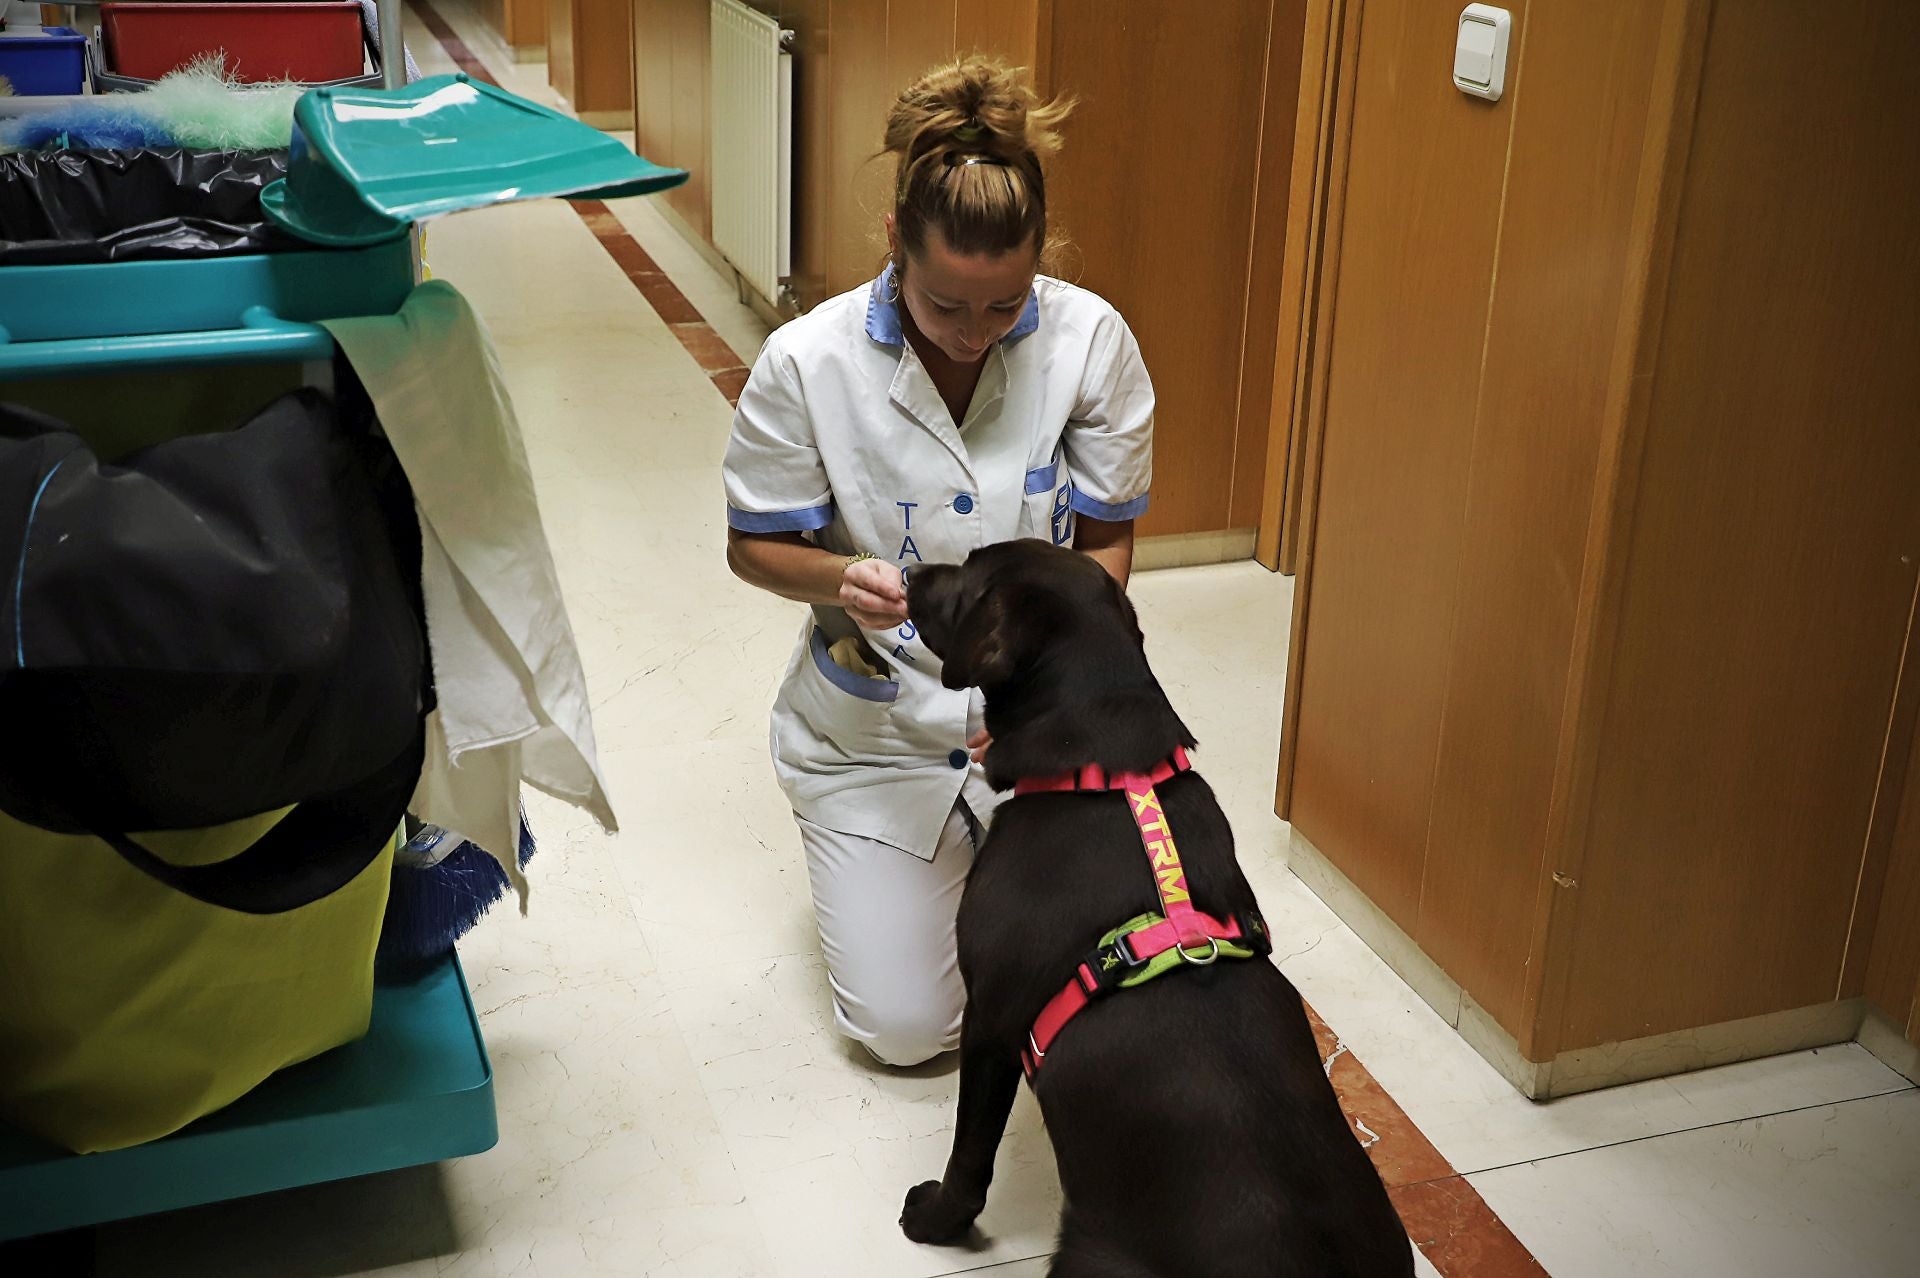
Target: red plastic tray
{"x": 310, "y": 41}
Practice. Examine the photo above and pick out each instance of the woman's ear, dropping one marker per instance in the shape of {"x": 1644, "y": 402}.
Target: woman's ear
{"x": 893, "y": 238}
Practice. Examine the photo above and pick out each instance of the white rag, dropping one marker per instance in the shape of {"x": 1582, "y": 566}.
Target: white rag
{"x": 512, "y": 697}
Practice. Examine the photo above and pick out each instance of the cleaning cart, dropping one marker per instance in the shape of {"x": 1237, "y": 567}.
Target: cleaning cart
{"x": 365, "y": 167}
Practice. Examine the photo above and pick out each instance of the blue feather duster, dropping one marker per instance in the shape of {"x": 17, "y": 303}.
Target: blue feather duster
{"x": 84, "y": 126}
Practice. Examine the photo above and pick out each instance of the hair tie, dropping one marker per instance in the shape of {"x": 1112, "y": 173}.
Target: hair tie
{"x": 970, "y": 132}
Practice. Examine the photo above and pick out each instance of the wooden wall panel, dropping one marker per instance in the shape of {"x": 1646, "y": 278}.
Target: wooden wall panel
{"x": 1893, "y": 971}
{"x": 653, "y": 83}
{"x": 920, "y": 33}
{"x": 691, "y": 35}
{"x": 1266, "y": 260}
{"x": 1774, "y": 541}
{"x": 526, "y": 23}
{"x": 494, "y": 14}
{"x": 562, "y": 63}
{"x": 1155, "y": 188}
{"x": 862, "y": 90}
{"x": 1008, "y": 29}
{"x": 520, "y": 24}
{"x": 1581, "y": 112}
{"x": 590, "y": 58}
{"x": 670, "y": 59}
{"x": 1406, "y": 346}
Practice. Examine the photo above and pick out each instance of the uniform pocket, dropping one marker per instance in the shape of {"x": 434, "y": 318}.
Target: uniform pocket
{"x": 1049, "y": 513}
{"x": 1049, "y": 503}
{"x": 853, "y": 684}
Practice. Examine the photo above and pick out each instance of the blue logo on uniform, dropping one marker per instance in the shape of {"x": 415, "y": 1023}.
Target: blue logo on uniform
{"x": 1063, "y": 515}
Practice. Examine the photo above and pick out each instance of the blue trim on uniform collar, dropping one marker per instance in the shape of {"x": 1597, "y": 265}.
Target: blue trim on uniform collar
{"x": 1028, "y": 321}
{"x": 883, "y": 316}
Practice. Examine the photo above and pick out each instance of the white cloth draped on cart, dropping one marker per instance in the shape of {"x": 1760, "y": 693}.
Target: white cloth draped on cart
{"x": 512, "y": 695}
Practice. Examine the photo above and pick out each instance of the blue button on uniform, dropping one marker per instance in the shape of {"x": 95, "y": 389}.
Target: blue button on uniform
{"x": 958, "y": 759}
{"x": 963, "y": 504}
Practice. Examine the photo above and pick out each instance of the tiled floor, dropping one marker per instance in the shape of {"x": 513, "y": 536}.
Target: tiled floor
{"x": 673, "y": 1101}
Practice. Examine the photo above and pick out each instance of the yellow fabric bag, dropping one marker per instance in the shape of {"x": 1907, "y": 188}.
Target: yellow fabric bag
{"x": 128, "y": 1008}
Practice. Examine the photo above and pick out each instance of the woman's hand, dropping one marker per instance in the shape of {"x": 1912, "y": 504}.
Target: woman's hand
{"x": 874, "y": 594}
{"x": 872, "y": 590}
{"x": 978, "y": 744}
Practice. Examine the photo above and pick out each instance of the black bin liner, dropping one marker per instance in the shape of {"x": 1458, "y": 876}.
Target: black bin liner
{"x": 62, "y": 207}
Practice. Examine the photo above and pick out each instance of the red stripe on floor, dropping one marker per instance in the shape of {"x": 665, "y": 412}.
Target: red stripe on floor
{"x": 456, "y": 48}
{"x": 721, "y": 363}
{"x": 1443, "y": 1213}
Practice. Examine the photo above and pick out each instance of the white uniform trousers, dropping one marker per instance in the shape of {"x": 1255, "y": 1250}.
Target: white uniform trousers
{"x": 887, "y": 930}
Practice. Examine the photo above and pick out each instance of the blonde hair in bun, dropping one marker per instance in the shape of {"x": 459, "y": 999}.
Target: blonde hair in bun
{"x": 969, "y": 137}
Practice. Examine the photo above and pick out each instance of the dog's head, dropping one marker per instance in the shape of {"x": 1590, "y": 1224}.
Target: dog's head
{"x": 1053, "y": 641}
{"x": 1016, "y": 606}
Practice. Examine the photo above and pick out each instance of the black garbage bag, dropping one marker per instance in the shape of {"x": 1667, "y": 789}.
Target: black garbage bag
{"x": 61, "y": 207}
{"x": 219, "y": 625}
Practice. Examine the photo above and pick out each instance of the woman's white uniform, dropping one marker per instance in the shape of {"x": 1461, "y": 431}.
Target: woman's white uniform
{"x": 841, "y": 434}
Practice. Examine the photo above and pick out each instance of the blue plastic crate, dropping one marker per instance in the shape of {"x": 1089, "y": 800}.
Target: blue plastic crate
{"x": 417, "y": 1089}
{"x": 51, "y": 62}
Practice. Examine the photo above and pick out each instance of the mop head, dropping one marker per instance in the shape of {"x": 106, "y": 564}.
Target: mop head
{"x": 429, "y": 907}
{"x": 196, "y": 107}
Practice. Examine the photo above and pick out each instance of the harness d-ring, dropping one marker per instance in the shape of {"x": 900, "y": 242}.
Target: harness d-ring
{"x": 1213, "y": 952}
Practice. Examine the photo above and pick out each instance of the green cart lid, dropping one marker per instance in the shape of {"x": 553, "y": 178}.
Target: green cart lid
{"x": 367, "y": 163}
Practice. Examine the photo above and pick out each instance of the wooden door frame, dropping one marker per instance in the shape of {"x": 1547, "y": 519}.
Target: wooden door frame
{"x": 1324, "y": 133}
{"x": 1322, "y": 120}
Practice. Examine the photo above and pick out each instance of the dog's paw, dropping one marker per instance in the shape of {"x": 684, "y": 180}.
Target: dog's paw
{"x": 932, "y": 1216}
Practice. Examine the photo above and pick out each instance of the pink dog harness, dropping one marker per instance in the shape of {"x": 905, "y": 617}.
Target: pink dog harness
{"x": 1151, "y": 944}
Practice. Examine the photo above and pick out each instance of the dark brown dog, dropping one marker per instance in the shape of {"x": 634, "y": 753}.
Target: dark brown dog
{"x": 1191, "y": 1117}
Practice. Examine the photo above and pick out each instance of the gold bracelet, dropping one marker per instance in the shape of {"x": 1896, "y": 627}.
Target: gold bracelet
{"x": 860, "y": 558}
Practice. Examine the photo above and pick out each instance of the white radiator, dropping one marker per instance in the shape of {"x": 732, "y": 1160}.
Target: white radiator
{"x": 752, "y": 159}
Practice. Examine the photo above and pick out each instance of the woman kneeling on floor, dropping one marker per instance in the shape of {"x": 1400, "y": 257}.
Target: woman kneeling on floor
{"x": 958, "y": 400}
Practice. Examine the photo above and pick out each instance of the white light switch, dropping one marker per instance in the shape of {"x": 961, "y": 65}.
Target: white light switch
{"x": 1480, "y": 51}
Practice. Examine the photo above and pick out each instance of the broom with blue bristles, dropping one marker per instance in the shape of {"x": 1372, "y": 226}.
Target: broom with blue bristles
{"x": 442, "y": 886}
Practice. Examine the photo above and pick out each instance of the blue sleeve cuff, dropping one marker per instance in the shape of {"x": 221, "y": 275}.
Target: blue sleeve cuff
{"x": 1118, "y": 513}
{"x": 779, "y": 520}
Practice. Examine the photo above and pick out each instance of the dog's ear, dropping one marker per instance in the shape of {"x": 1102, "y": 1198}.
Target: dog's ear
{"x": 982, "y": 649}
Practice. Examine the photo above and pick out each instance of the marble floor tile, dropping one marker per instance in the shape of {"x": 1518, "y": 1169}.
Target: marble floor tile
{"x": 580, "y": 930}
{"x": 828, "y": 1144}
{"x": 716, "y": 873}
{"x": 609, "y": 1162}
{"x": 1032, "y": 1267}
{"x": 1477, "y": 1119}
{"x": 1827, "y": 1190}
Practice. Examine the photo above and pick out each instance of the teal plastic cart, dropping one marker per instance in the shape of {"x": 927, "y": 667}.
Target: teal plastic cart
{"x": 418, "y": 1088}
